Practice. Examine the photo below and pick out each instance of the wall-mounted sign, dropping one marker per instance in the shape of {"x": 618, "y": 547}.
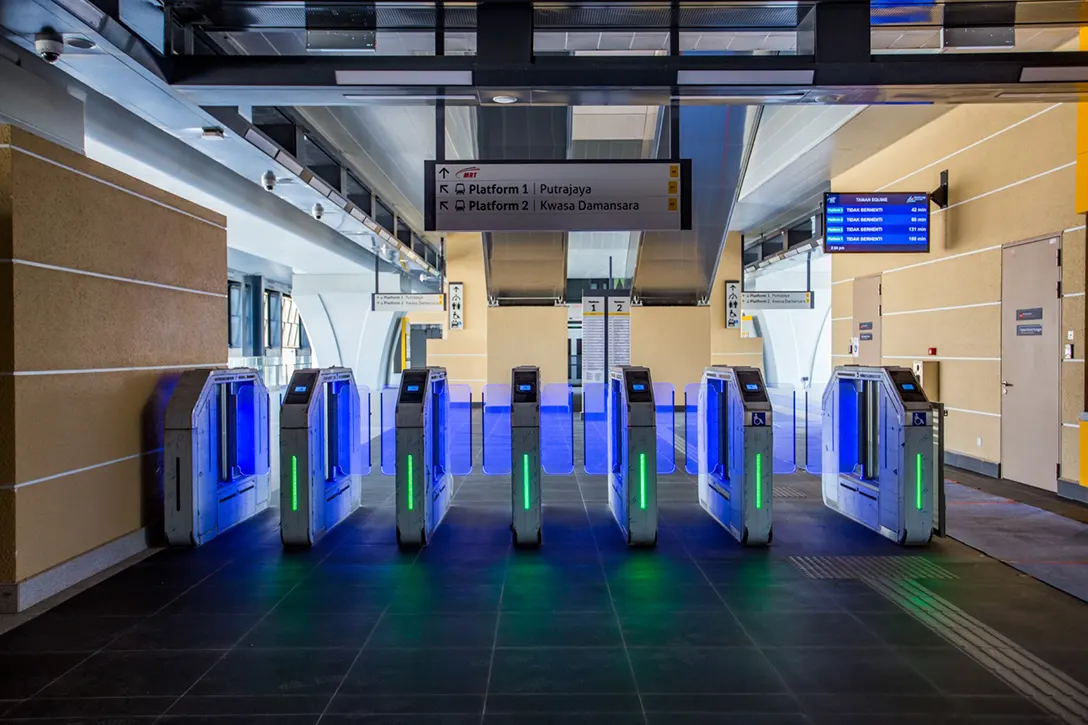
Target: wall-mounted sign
{"x": 732, "y": 305}
{"x": 457, "y": 305}
{"x": 866, "y": 336}
{"x": 776, "y": 300}
{"x": 865, "y": 325}
{"x": 406, "y": 302}
{"x": 1031, "y": 313}
{"x": 559, "y": 196}
{"x": 1029, "y": 330}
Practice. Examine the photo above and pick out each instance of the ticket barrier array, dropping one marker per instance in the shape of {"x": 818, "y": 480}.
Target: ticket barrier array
{"x": 525, "y": 458}
{"x": 423, "y": 480}
{"x": 321, "y": 456}
{"x": 216, "y": 456}
{"x": 632, "y": 454}
{"x": 736, "y": 475}
{"x": 879, "y": 452}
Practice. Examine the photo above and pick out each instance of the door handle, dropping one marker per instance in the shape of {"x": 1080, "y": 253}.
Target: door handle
{"x": 1005, "y": 385}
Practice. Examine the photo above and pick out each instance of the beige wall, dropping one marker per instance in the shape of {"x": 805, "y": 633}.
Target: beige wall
{"x": 674, "y": 342}
{"x": 1011, "y": 179}
{"x": 114, "y": 286}
{"x": 527, "y": 336}
{"x": 463, "y": 352}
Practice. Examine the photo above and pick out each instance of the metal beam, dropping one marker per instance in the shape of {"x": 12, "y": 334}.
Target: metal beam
{"x": 581, "y": 79}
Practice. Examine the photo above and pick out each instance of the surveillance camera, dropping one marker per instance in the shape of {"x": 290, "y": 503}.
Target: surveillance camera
{"x": 268, "y": 181}
{"x": 49, "y": 45}
{"x": 318, "y": 211}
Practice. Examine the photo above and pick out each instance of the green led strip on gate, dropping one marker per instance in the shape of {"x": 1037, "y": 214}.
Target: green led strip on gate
{"x": 642, "y": 480}
{"x": 294, "y": 483}
{"x": 411, "y": 497}
{"x": 918, "y": 481}
{"x": 525, "y": 480}
{"x": 759, "y": 480}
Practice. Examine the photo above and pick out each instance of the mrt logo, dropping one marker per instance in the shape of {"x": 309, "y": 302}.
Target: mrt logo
{"x": 469, "y": 173}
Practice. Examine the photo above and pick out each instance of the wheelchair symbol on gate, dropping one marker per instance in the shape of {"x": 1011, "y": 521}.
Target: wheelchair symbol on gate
{"x": 759, "y": 420}
{"x": 918, "y": 419}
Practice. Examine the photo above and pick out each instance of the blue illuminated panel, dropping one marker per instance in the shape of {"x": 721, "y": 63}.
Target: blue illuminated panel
{"x": 876, "y": 222}
{"x": 525, "y": 388}
{"x": 413, "y": 388}
{"x": 638, "y": 387}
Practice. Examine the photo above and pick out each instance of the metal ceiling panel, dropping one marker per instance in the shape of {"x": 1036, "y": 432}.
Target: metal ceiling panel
{"x": 795, "y": 187}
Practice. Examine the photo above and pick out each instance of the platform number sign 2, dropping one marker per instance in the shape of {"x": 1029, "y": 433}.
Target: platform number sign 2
{"x": 732, "y": 305}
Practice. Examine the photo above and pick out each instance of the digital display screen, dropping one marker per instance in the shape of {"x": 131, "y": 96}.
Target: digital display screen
{"x": 638, "y": 387}
{"x": 751, "y": 386}
{"x": 300, "y": 388}
{"x": 908, "y": 386}
{"x": 876, "y": 222}
{"x": 413, "y": 388}
{"x": 525, "y": 388}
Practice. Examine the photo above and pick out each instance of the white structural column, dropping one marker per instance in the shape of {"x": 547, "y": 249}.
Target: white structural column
{"x": 342, "y": 329}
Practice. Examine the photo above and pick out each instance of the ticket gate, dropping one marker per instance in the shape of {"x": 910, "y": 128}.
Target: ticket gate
{"x": 321, "y": 454}
{"x": 216, "y": 459}
{"x": 879, "y": 456}
{"x": 525, "y": 460}
{"x": 424, "y": 483}
{"x": 736, "y": 475}
{"x": 632, "y": 453}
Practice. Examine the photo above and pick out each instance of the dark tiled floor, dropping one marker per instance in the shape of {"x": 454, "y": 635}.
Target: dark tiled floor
{"x": 583, "y": 630}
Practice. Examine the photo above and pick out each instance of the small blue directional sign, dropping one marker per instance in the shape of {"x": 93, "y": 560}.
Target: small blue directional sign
{"x": 918, "y": 419}
{"x": 759, "y": 419}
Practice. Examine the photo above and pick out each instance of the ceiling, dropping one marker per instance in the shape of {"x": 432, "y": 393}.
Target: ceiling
{"x": 799, "y": 149}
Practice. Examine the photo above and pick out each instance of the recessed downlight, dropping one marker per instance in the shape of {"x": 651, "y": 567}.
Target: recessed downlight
{"x": 505, "y": 100}
{"x": 79, "y": 42}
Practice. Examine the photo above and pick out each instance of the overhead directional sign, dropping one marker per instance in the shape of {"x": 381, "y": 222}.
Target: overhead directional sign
{"x": 559, "y": 196}
{"x": 428, "y": 302}
{"x": 776, "y": 300}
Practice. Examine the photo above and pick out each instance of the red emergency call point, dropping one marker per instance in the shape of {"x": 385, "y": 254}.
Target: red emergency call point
{"x": 932, "y": 351}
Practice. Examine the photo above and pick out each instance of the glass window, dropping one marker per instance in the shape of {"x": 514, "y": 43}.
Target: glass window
{"x": 292, "y": 323}
{"x": 234, "y": 314}
{"x": 383, "y": 215}
{"x": 273, "y": 322}
{"x": 359, "y": 194}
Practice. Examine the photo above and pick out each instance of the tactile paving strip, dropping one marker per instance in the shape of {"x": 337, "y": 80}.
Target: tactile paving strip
{"x": 1050, "y": 688}
{"x": 865, "y": 567}
{"x": 789, "y": 492}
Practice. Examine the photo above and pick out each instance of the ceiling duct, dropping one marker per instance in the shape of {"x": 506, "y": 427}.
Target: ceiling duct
{"x": 677, "y": 268}
{"x": 524, "y": 268}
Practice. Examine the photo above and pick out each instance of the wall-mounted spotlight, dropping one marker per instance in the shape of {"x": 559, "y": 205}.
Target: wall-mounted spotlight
{"x": 939, "y": 196}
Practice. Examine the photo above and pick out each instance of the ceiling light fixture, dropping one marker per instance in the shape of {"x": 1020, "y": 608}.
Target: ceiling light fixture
{"x": 80, "y": 43}
{"x": 212, "y": 133}
{"x": 505, "y": 100}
